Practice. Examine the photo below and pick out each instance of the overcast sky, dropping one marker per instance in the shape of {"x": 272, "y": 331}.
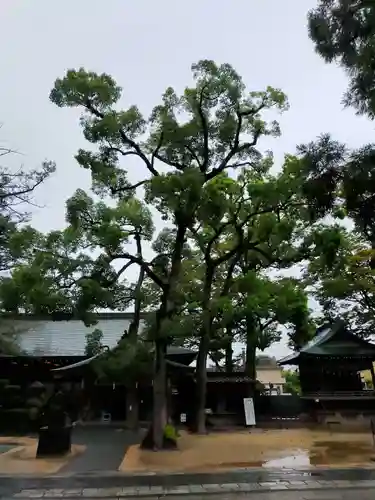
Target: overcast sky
{"x": 147, "y": 46}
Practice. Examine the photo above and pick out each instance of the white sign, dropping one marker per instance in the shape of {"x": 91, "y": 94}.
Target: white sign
{"x": 183, "y": 418}
{"x": 248, "y": 405}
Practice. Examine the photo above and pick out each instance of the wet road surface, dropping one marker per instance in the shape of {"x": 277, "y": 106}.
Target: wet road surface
{"x": 291, "y": 495}
{"x": 12, "y": 485}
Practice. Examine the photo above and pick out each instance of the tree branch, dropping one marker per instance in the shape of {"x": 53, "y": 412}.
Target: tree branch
{"x": 157, "y": 149}
{"x": 125, "y": 139}
{"x": 127, "y": 188}
{"x": 204, "y": 123}
{"x": 236, "y": 148}
{"x": 170, "y": 163}
{"x": 193, "y": 154}
{"x": 137, "y": 260}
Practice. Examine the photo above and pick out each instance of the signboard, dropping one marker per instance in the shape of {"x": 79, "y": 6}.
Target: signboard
{"x": 248, "y": 404}
{"x": 106, "y": 417}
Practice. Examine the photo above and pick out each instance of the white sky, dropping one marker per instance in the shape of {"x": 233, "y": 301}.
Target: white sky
{"x": 148, "y": 46}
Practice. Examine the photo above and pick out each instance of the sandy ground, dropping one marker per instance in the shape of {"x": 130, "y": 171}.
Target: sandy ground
{"x": 22, "y": 459}
{"x": 273, "y": 448}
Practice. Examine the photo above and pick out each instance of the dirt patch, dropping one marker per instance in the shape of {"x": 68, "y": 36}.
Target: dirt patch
{"x": 22, "y": 458}
{"x": 274, "y": 448}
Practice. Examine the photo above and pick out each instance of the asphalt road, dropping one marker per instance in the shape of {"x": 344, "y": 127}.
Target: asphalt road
{"x": 291, "y": 495}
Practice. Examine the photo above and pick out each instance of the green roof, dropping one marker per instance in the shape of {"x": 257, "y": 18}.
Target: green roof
{"x": 333, "y": 340}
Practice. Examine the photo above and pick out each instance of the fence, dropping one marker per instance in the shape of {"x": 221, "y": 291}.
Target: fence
{"x": 270, "y": 407}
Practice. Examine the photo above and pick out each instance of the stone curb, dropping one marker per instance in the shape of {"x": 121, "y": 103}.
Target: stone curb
{"x": 111, "y": 473}
{"x": 202, "y": 489}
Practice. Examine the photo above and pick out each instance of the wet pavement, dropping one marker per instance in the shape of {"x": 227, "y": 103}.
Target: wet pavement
{"x": 95, "y": 471}
{"x": 277, "y": 495}
{"x": 10, "y": 486}
{"x": 307, "y": 489}
{"x": 259, "y": 448}
{"x": 105, "y": 448}
{"x": 320, "y": 453}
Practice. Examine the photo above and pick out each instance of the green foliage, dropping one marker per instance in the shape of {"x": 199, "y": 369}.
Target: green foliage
{"x": 8, "y": 339}
{"x": 341, "y": 272}
{"x": 342, "y": 31}
{"x": 130, "y": 361}
{"x": 231, "y": 219}
{"x": 94, "y": 343}
{"x": 344, "y": 283}
{"x": 265, "y": 304}
{"x": 221, "y": 126}
{"x": 170, "y": 432}
{"x": 292, "y": 382}
{"x": 16, "y": 193}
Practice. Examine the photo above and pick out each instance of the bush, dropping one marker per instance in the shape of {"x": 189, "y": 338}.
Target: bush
{"x": 169, "y": 438}
{"x": 170, "y": 432}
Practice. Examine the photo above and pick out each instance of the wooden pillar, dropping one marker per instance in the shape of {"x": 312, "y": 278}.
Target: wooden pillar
{"x": 168, "y": 409}
{"x": 221, "y": 399}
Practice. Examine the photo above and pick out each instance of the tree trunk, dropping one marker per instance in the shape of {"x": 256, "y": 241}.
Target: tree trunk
{"x": 160, "y": 396}
{"x": 250, "y": 368}
{"x": 201, "y": 386}
{"x": 203, "y": 353}
{"x": 229, "y": 352}
{"x": 167, "y": 307}
{"x": 132, "y": 414}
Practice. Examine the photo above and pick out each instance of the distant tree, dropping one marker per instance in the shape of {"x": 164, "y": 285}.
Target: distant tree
{"x": 9, "y": 338}
{"x": 16, "y": 195}
{"x": 292, "y": 382}
{"x": 94, "y": 343}
{"x": 341, "y": 277}
{"x": 17, "y": 240}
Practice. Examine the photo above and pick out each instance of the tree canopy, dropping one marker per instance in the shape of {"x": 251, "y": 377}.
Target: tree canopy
{"x": 342, "y": 31}
{"x": 232, "y": 223}
{"x": 17, "y": 239}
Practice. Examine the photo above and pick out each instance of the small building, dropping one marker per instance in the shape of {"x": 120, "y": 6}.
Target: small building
{"x": 270, "y": 375}
{"x": 330, "y": 367}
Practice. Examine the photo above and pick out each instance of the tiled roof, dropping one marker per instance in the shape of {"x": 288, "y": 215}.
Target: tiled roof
{"x": 333, "y": 341}
{"x": 63, "y": 338}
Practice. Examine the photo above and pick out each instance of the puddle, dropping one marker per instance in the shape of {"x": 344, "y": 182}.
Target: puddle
{"x": 4, "y": 447}
{"x": 298, "y": 458}
{"x": 286, "y": 450}
{"x": 322, "y": 453}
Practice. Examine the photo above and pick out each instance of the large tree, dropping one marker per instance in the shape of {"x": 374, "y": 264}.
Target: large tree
{"x": 251, "y": 224}
{"x": 192, "y": 148}
{"x": 342, "y": 31}
{"x": 189, "y": 140}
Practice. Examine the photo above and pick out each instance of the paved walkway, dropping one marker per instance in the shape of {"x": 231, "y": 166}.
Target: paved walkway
{"x": 117, "y": 485}
{"x": 300, "y": 489}
{"x": 308, "y": 495}
{"x": 105, "y": 448}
